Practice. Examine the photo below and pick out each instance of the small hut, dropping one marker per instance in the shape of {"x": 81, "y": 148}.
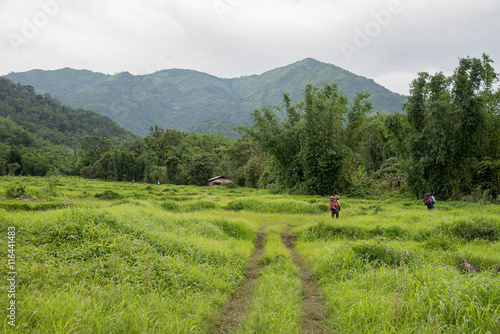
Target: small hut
{"x": 218, "y": 180}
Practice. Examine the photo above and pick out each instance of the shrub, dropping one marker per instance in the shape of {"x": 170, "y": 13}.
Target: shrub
{"x": 244, "y": 204}
{"x": 16, "y": 190}
{"x": 108, "y": 195}
{"x": 179, "y": 198}
{"x": 174, "y": 206}
{"x": 52, "y": 187}
{"x": 31, "y": 206}
{"x": 329, "y": 231}
{"x": 138, "y": 195}
{"x": 201, "y": 205}
{"x": 440, "y": 242}
{"x": 229, "y": 185}
{"x": 322, "y": 207}
{"x": 391, "y": 232}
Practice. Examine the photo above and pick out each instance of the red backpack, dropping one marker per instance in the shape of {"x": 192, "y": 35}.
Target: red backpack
{"x": 333, "y": 203}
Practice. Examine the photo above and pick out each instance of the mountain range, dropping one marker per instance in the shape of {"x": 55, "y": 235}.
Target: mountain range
{"x": 194, "y": 101}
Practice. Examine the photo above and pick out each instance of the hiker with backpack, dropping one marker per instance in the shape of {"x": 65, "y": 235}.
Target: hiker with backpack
{"x": 429, "y": 200}
{"x": 335, "y": 205}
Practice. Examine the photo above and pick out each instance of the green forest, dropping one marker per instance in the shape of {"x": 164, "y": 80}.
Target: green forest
{"x": 193, "y": 101}
{"x": 447, "y": 141}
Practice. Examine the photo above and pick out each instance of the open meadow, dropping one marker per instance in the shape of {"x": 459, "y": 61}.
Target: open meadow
{"x": 111, "y": 257}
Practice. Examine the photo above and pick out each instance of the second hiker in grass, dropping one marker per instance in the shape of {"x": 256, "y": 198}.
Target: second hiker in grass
{"x": 429, "y": 200}
{"x": 335, "y": 206}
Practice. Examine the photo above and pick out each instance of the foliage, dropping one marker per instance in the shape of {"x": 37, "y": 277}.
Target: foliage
{"x": 39, "y": 136}
{"x": 306, "y": 151}
{"x": 391, "y": 284}
{"x": 275, "y": 206}
{"x": 379, "y": 254}
{"x": 448, "y": 119}
{"x": 16, "y": 190}
{"x": 99, "y": 259}
{"x": 200, "y": 169}
{"x": 46, "y": 118}
{"x": 476, "y": 228}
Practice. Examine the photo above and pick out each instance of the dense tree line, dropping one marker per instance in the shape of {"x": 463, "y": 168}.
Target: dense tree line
{"x": 453, "y": 131}
{"x": 165, "y": 156}
{"x": 39, "y": 135}
{"x": 448, "y": 142}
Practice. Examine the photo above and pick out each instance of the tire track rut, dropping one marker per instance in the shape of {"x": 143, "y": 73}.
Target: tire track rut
{"x": 234, "y": 312}
{"x": 314, "y": 313}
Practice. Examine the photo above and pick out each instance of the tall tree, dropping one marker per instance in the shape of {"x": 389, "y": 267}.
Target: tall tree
{"x": 200, "y": 169}
{"x": 322, "y": 150}
{"x": 306, "y": 151}
{"x": 94, "y": 147}
{"x": 448, "y": 118}
{"x": 356, "y": 116}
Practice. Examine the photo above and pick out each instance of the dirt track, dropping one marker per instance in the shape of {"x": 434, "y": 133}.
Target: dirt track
{"x": 233, "y": 314}
{"x": 313, "y": 309}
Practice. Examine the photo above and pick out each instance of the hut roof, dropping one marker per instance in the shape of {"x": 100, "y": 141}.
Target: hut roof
{"x": 218, "y": 177}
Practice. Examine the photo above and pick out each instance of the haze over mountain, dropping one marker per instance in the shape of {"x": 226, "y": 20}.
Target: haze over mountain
{"x": 195, "y": 101}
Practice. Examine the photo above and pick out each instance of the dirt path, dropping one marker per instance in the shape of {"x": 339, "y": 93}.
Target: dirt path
{"x": 232, "y": 315}
{"x": 314, "y": 313}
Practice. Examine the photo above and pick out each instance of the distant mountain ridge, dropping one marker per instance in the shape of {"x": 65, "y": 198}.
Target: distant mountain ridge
{"x": 191, "y": 100}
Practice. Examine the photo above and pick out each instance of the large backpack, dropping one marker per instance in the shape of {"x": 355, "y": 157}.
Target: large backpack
{"x": 427, "y": 199}
{"x": 334, "y": 203}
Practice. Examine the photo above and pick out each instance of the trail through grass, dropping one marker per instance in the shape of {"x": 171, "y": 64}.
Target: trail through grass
{"x": 313, "y": 311}
{"x": 106, "y": 257}
{"x": 232, "y": 315}
{"x": 276, "y": 303}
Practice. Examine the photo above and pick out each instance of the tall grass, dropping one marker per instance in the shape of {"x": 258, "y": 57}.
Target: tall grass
{"x": 165, "y": 259}
{"x": 406, "y": 274}
{"x": 276, "y": 206}
{"x": 126, "y": 269}
{"x": 376, "y": 290}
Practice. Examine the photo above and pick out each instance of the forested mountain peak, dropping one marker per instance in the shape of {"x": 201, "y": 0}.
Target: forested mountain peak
{"x": 190, "y": 100}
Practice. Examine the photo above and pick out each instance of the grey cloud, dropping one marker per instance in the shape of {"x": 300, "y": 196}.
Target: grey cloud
{"x": 254, "y": 35}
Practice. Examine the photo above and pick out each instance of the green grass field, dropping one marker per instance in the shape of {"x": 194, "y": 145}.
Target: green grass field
{"x": 106, "y": 257}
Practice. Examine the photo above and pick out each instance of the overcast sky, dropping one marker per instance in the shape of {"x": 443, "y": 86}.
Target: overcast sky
{"x": 389, "y": 41}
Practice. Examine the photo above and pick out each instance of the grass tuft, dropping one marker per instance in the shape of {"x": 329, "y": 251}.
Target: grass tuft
{"x": 474, "y": 228}
{"x": 108, "y": 195}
